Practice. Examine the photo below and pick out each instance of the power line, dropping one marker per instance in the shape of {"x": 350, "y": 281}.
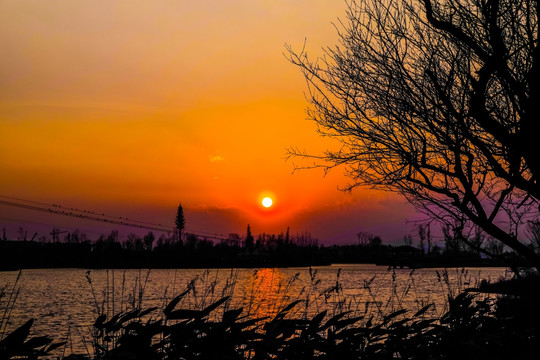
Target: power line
{"x": 86, "y": 212}
{"x": 77, "y": 214}
{"x": 56, "y": 209}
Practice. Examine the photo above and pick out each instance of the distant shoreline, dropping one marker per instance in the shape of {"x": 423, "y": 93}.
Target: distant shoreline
{"x": 16, "y": 255}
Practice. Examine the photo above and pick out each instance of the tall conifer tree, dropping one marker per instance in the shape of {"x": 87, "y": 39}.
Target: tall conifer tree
{"x": 180, "y": 221}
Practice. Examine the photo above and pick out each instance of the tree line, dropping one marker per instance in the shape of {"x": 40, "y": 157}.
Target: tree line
{"x": 188, "y": 250}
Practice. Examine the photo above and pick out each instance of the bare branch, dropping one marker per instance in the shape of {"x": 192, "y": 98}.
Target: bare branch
{"x": 433, "y": 99}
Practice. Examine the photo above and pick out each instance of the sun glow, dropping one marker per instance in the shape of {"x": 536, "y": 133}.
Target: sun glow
{"x": 267, "y": 202}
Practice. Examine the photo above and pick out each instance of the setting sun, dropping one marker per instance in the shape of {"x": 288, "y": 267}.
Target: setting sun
{"x": 163, "y": 100}
{"x": 267, "y": 202}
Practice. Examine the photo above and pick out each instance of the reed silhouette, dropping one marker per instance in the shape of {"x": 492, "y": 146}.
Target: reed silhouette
{"x": 202, "y": 322}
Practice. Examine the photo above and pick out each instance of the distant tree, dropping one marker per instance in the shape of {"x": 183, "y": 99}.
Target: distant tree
{"x": 271, "y": 240}
{"x": 129, "y": 244}
{"x": 204, "y": 245}
{"x": 364, "y": 238}
{"x": 437, "y": 100}
{"x": 149, "y": 241}
{"x": 428, "y": 235}
{"x": 108, "y": 246}
{"x": 163, "y": 240}
{"x": 408, "y": 240}
{"x": 249, "y": 238}
{"x": 233, "y": 239}
{"x": 113, "y": 236}
{"x": 191, "y": 241}
{"x": 139, "y": 245}
{"x": 305, "y": 239}
{"x": 75, "y": 236}
{"x": 261, "y": 241}
{"x": 21, "y": 234}
{"x": 421, "y": 238}
{"x": 436, "y": 250}
{"x": 180, "y": 221}
{"x": 452, "y": 237}
{"x": 494, "y": 247}
{"x": 375, "y": 242}
{"x": 477, "y": 240}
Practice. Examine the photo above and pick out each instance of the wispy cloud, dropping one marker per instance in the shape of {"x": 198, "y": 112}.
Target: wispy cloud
{"x": 215, "y": 158}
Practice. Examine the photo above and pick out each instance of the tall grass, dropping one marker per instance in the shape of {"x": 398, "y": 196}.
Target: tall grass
{"x": 17, "y": 343}
{"x": 319, "y": 321}
{"x": 8, "y": 297}
{"x": 204, "y": 318}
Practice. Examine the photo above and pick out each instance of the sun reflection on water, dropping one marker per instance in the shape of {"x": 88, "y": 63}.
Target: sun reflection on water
{"x": 268, "y": 291}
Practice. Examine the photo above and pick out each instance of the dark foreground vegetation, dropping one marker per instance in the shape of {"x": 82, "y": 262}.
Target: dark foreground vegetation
{"x": 75, "y": 250}
{"x": 475, "y": 326}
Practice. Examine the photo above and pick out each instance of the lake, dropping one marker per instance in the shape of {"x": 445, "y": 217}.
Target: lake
{"x": 64, "y": 302}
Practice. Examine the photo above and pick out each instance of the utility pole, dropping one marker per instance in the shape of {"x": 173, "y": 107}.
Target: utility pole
{"x": 55, "y": 234}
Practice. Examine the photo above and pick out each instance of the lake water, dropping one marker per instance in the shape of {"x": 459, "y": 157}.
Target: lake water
{"x": 64, "y": 302}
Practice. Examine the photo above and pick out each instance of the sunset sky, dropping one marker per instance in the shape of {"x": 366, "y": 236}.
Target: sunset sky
{"x": 132, "y": 107}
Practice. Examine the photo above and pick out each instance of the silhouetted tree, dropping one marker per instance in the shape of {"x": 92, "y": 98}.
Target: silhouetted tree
{"x": 249, "y": 239}
{"x": 21, "y": 234}
{"x": 421, "y": 238}
{"x": 191, "y": 241}
{"x": 75, "y": 236}
{"x": 364, "y": 238}
{"x": 129, "y": 244}
{"x": 233, "y": 239}
{"x": 438, "y": 100}
{"x": 149, "y": 241}
{"x": 477, "y": 240}
{"x": 428, "y": 238}
{"x": 375, "y": 242}
{"x": 164, "y": 240}
{"x": 495, "y": 248}
{"x": 408, "y": 240}
{"x": 180, "y": 221}
{"x": 113, "y": 237}
{"x": 261, "y": 240}
{"x": 452, "y": 238}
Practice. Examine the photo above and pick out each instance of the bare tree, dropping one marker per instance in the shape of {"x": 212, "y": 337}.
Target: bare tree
{"x": 477, "y": 241}
{"x": 421, "y": 229}
{"x": 408, "y": 240}
{"x": 149, "y": 241}
{"x": 364, "y": 238}
{"x": 452, "y": 239}
{"x": 436, "y": 99}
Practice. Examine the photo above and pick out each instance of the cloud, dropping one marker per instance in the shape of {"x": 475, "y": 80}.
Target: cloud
{"x": 214, "y": 219}
{"x": 339, "y": 222}
{"x": 215, "y": 158}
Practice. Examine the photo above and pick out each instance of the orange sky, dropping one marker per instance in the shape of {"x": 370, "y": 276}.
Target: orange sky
{"x": 130, "y": 107}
